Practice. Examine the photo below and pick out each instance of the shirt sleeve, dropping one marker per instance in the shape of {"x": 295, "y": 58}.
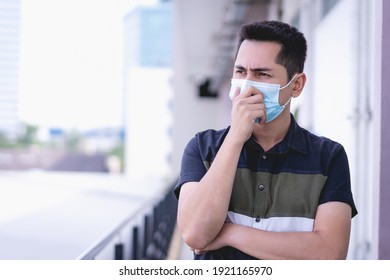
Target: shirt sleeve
{"x": 338, "y": 183}
{"x": 192, "y": 166}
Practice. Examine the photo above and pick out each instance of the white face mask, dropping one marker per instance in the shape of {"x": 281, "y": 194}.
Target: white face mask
{"x": 270, "y": 92}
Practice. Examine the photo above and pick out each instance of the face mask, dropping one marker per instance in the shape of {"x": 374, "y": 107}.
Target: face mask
{"x": 270, "y": 92}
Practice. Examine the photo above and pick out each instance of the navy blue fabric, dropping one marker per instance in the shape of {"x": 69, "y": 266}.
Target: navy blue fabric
{"x": 225, "y": 253}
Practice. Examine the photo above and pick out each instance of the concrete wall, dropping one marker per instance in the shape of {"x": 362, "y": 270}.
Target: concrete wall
{"x": 195, "y": 23}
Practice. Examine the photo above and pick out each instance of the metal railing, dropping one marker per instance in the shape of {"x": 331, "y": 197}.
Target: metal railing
{"x": 149, "y": 232}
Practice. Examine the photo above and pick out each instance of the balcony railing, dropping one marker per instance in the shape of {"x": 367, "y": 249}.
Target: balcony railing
{"x": 145, "y": 234}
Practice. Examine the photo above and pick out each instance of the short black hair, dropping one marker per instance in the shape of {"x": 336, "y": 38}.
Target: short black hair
{"x": 293, "y": 50}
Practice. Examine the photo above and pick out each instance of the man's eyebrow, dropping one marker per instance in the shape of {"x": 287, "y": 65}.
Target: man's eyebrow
{"x": 240, "y": 67}
{"x": 259, "y": 69}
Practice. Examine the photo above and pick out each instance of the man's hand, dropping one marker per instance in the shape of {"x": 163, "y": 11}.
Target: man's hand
{"x": 247, "y": 107}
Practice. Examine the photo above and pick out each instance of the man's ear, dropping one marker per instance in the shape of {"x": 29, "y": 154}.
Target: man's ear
{"x": 299, "y": 84}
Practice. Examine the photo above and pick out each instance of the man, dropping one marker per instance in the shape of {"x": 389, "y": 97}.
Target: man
{"x": 265, "y": 188}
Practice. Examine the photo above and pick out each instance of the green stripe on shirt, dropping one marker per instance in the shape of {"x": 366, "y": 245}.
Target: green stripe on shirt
{"x": 265, "y": 195}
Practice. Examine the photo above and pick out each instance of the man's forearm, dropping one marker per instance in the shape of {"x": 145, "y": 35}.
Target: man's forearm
{"x": 328, "y": 240}
{"x": 280, "y": 245}
{"x": 203, "y": 206}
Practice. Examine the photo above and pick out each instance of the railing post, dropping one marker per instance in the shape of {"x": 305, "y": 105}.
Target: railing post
{"x": 147, "y": 235}
{"x": 118, "y": 251}
{"x": 135, "y": 244}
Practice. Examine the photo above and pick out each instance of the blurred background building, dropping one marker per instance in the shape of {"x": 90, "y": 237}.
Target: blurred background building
{"x": 10, "y": 21}
{"x": 148, "y": 89}
{"x": 176, "y": 68}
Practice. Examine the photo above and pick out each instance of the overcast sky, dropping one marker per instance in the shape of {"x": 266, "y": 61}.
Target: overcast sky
{"x": 71, "y": 62}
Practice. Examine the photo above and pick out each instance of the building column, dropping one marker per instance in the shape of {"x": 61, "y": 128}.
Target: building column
{"x": 384, "y": 184}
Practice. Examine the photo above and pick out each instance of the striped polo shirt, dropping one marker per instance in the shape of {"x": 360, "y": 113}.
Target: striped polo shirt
{"x": 278, "y": 190}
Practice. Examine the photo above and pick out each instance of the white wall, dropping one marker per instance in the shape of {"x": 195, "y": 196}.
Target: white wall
{"x": 341, "y": 94}
{"x": 197, "y": 25}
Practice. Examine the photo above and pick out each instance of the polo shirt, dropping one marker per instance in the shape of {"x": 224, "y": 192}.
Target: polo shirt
{"x": 278, "y": 190}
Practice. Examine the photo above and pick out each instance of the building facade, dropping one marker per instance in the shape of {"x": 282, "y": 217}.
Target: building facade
{"x": 10, "y": 11}
{"x": 148, "y": 90}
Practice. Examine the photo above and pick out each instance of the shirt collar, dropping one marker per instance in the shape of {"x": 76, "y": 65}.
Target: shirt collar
{"x": 294, "y": 139}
